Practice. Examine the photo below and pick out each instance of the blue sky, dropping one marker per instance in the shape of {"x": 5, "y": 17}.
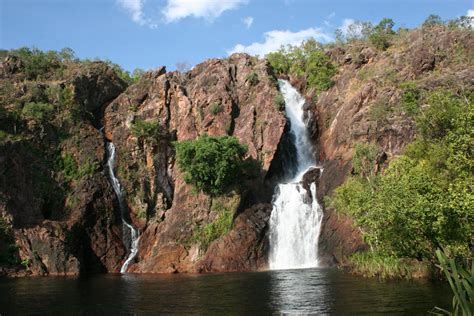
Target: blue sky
{"x": 150, "y": 33}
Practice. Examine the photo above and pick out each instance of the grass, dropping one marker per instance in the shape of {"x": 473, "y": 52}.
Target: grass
{"x": 225, "y": 208}
{"x": 371, "y": 264}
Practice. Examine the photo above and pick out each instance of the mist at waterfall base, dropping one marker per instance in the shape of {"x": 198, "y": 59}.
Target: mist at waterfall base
{"x": 131, "y": 235}
{"x": 296, "y": 217}
{"x": 302, "y": 292}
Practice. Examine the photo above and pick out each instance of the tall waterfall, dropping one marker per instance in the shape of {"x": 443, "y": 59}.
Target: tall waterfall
{"x": 130, "y": 233}
{"x": 296, "y": 217}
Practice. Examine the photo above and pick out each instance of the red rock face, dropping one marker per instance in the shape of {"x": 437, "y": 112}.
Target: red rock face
{"x": 217, "y": 97}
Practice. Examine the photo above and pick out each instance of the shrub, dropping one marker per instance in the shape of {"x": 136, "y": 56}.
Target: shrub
{"x": 37, "y": 63}
{"x": 252, "y": 78}
{"x": 424, "y": 199}
{"x": 410, "y": 97}
{"x": 307, "y": 60}
{"x": 38, "y": 112}
{"x": 211, "y": 163}
{"x": 70, "y": 169}
{"x": 206, "y": 234}
{"x": 432, "y": 20}
{"x": 145, "y": 130}
{"x": 363, "y": 160}
{"x": 279, "y": 102}
{"x": 216, "y": 108}
{"x": 382, "y": 33}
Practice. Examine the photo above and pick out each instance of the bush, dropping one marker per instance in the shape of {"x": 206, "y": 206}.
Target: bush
{"x": 279, "y": 102}
{"x": 216, "y": 108}
{"x": 145, "y": 130}
{"x": 410, "y": 97}
{"x": 431, "y": 21}
{"x": 206, "y": 234}
{"x": 70, "y": 169}
{"x": 382, "y": 33}
{"x": 308, "y": 61}
{"x": 211, "y": 163}
{"x": 424, "y": 199}
{"x": 252, "y": 78}
{"x": 38, "y": 63}
{"x": 38, "y": 112}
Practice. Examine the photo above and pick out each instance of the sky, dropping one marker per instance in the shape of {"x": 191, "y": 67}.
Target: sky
{"x": 149, "y": 33}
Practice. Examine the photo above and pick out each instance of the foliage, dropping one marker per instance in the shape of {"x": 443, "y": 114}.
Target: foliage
{"x": 463, "y": 23}
{"x": 308, "y": 61}
{"x": 216, "y": 108}
{"x": 252, "y": 78}
{"x": 440, "y": 117}
{"x": 364, "y": 159}
{"x": 38, "y": 63}
{"x": 206, "y": 234}
{"x": 145, "y": 130}
{"x": 371, "y": 264}
{"x": 411, "y": 96}
{"x": 461, "y": 281}
{"x": 424, "y": 199}
{"x": 431, "y": 21}
{"x": 38, "y": 112}
{"x": 380, "y": 111}
{"x": 382, "y": 33}
{"x": 279, "y": 102}
{"x": 211, "y": 163}
{"x": 137, "y": 74}
{"x": 70, "y": 169}
{"x": 355, "y": 31}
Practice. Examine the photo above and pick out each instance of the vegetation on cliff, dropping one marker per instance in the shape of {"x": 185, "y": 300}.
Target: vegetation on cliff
{"x": 424, "y": 199}
{"x": 211, "y": 163}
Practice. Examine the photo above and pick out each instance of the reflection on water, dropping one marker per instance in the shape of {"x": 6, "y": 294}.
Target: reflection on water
{"x": 295, "y": 292}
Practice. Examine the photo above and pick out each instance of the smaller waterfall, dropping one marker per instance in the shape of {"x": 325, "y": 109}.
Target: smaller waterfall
{"x": 296, "y": 217}
{"x": 130, "y": 233}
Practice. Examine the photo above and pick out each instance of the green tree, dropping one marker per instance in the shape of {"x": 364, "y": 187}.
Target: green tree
{"x": 382, "y": 33}
{"x": 211, "y": 163}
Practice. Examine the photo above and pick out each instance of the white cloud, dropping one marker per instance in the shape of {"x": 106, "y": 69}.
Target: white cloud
{"x": 470, "y": 13}
{"x": 275, "y": 39}
{"x": 248, "y": 21}
{"x": 135, "y": 8}
{"x": 207, "y": 9}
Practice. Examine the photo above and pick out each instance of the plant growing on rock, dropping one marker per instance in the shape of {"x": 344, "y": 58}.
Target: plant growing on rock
{"x": 382, "y": 33}
{"x": 216, "y": 108}
{"x": 145, "y": 130}
{"x": 279, "y": 102}
{"x": 211, "y": 163}
{"x": 252, "y": 78}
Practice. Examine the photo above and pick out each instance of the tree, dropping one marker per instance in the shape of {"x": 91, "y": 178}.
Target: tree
{"x": 431, "y": 21}
{"x": 211, "y": 163}
{"x": 381, "y": 34}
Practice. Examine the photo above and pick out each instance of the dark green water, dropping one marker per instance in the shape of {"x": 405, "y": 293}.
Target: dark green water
{"x": 301, "y": 292}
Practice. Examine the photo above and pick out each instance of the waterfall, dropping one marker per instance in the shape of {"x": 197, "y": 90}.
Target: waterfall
{"x": 130, "y": 233}
{"x": 296, "y": 216}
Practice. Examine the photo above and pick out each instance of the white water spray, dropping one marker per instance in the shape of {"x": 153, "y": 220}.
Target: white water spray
{"x": 128, "y": 229}
{"x": 296, "y": 217}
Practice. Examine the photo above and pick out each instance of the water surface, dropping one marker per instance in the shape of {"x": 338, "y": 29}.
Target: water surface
{"x": 301, "y": 292}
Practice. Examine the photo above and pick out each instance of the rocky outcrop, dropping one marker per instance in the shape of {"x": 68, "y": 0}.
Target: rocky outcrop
{"x": 55, "y": 196}
{"x": 232, "y": 96}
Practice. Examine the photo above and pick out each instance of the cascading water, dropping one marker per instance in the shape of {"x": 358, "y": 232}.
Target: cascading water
{"x": 130, "y": 233}
{"x": 296, "y": 217}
